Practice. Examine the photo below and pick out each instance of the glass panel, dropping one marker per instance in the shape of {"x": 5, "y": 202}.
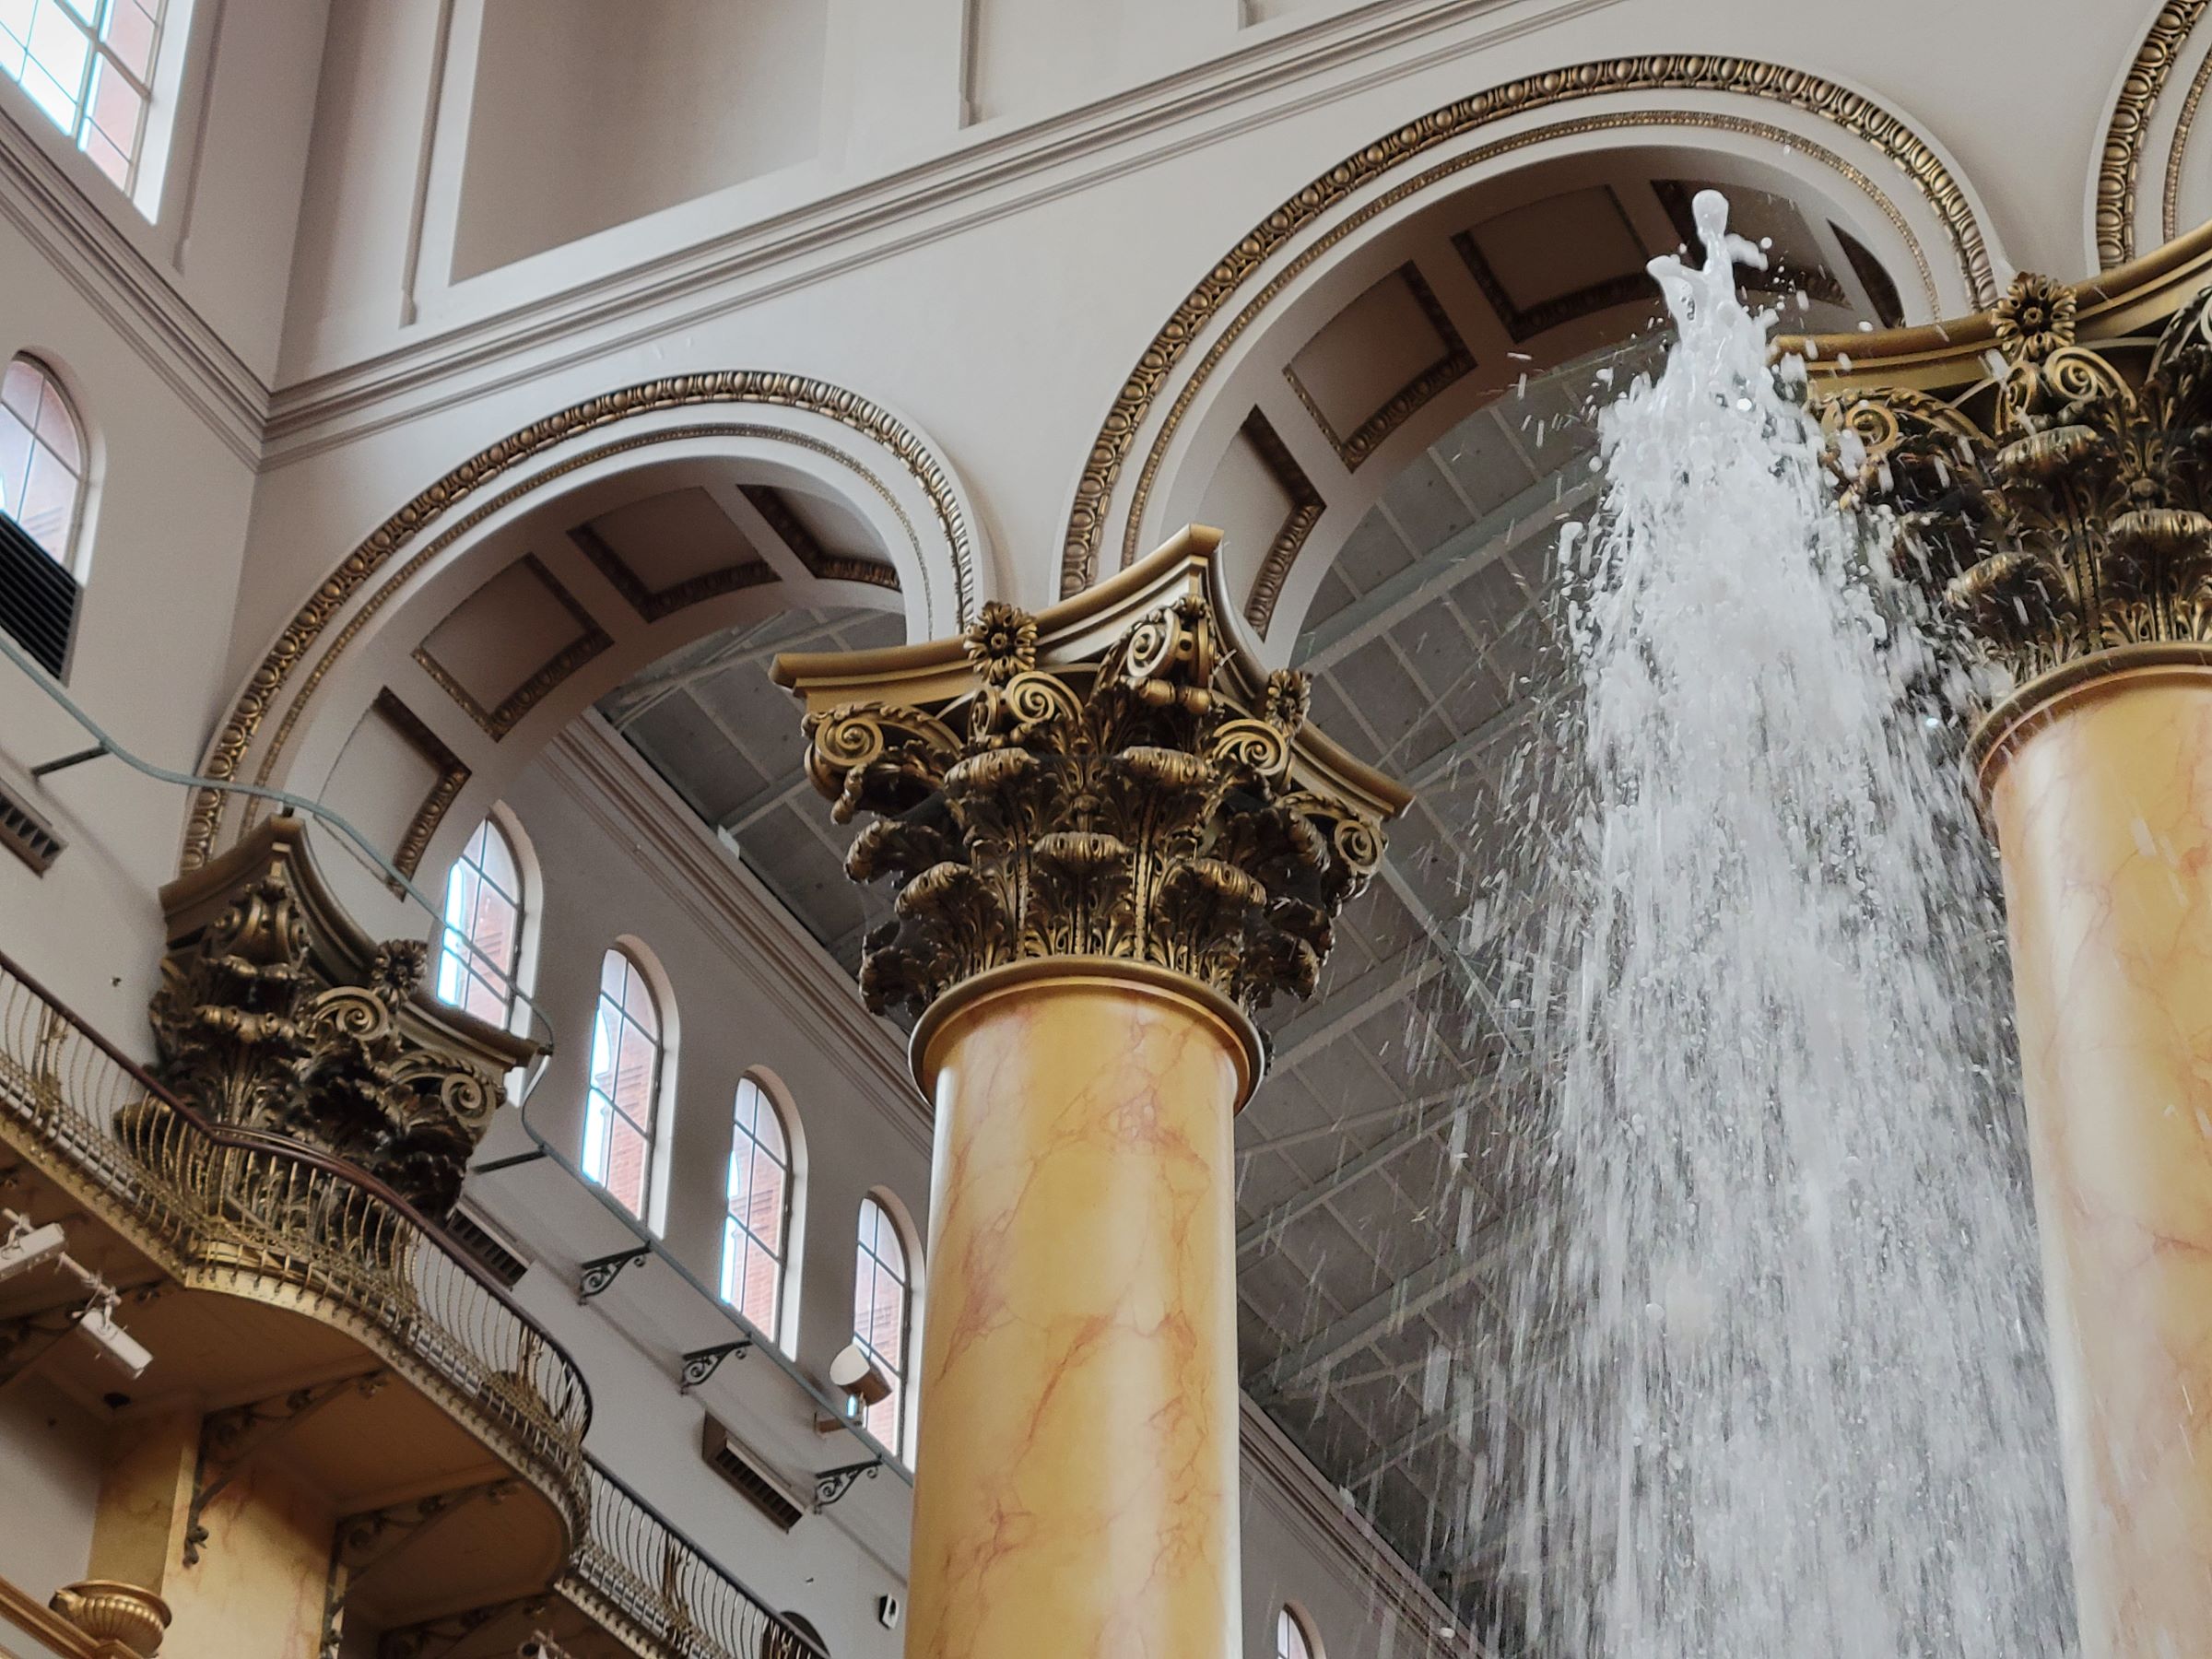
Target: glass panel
{"x": 596, "y": 1117}
{"x": 56, "y": 426}
{"x": 50, "y": 96}
{"x": 20, "y": 388}
{"x": 48, "y": 501}
{"x": 625, "y": 1162}
{"x": 633, "y": 1075}
{"x": 116, "y": 107}
{"x": 767, "y": 1128}
{"x": 60, "y": 46}
{"x": 15, "y": 461}
{"x": 613, "y": 971}
{"x": 15, "y": 19}
{"x": 85, "y": 9}
{"x": 497, "y": 860}
{"x": 637, "y": 1002}
{"x": 603, "y": 1051}
{"x": 130, "y": 36}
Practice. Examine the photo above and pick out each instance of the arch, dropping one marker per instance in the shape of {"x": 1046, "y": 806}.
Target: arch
{"x": 764, "y": 1208}
{"x": 1820, "y": 136}
{"x": 402, "y": 627}
{"x": 1294, "y": 1634}
{"x": 2146, "y": 139}
{"x": 886, "y": 1313}
{"x": 783, "y": 1650}
{"x": 491, "y": 914}
{"x": 630, "y": 1081}
{"x": 45, "y": 459}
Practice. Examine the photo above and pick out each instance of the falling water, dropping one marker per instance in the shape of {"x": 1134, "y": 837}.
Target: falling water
{"x": 1795, "y": 1402}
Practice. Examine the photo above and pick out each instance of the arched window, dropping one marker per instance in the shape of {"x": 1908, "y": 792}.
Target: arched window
{"x": 41, "y": 455}
{"x": 756, "y": 1228}
{"x": 90, "y": 65}
{"x": 882, "y": 1308}
{"x": 1292, "y": 1640}
{"x": 626, "y": 1083}
{"x": 780, "y": 1644}
{"x": 480, "y": 950}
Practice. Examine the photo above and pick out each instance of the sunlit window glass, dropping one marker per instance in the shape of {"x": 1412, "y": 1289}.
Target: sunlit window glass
{"x": 757, "y": 1228}
{"x": 481, "y": 948}
{"x": 882, "y": 1311}
{"x": 1290, "y": 1637}
{"x": 41, "y": 455}
{"x": 626, "y": 1075}
{"x": 90, "y": 66}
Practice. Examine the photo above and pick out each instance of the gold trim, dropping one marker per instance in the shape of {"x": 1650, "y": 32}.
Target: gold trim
{"x": 653, "y": 604}
{"x": 1079, "y": 548}
{"x": 2120, "y": 167}
{"x": 1306, "y": 507}
{"x": 496, "y": 723}
{"x": 1676, "y": 72}
{"x": 1400, "y": 406}
{"x": 1046, "y": 976}
{"x": 2170, "y": 216}
{"x": 741, "y": 386}
{"x": 807, "y": 547}
{"x": 453, "y": 773}
{"x": 2027, "y": 709}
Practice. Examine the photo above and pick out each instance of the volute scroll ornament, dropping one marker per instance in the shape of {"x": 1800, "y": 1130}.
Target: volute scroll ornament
{"x": 1112, "y": 778}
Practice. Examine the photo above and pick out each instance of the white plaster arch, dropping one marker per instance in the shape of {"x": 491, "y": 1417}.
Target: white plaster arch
{"x": 473, "y": 626}
{"x": 1853, "y": 165}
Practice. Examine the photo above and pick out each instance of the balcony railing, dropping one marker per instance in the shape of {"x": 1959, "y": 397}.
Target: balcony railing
{"x": 637, "y": 1574}
{"x": 233, "y": 1209}
{"x": 237, "y": 1210}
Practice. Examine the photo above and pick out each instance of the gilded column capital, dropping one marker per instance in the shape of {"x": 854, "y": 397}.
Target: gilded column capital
{"x": 1112, "y": 778}
{"x": 277, "y": 1013}
{"x": 2055, "y": 494}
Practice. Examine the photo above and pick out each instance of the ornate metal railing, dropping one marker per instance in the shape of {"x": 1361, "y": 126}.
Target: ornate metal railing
{"x": 237, "y": 1210}
{"x": 639, "y": 1576}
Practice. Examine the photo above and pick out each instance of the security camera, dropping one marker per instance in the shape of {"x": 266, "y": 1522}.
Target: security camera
{"x": 28, "y": 1246}
{"x": 858, "y": 1383}
{"x": 114, "y": 1341}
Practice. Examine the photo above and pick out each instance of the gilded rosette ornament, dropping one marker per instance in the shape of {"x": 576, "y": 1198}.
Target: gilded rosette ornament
{"x": 1114, "y": 777}
{"x": 2057, "y": 498}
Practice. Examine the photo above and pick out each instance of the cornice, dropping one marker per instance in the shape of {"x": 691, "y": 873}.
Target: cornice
{"x": 600, "y": 772}
{"x": 119, "y": 281}
{"x": 973, "y": 179}
{"x": 1308, "y": 1499}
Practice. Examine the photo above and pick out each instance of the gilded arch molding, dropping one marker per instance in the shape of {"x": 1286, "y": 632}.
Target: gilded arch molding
{"x": 1689, "y": 72}
{"x": 423, "y": 526}
{"x": 2128, "y": 134}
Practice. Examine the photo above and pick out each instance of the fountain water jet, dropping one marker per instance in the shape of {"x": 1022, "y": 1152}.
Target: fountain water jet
{"x": 1798, "y": 1402}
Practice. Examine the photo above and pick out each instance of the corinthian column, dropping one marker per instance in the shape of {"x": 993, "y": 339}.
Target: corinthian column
{"x": 2061, "y": 507}
{"x": 1113, "y": 839}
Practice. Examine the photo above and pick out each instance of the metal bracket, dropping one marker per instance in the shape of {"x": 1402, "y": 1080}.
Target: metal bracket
{"x": 515, "y": 1162}
{"x": 832, "y": 1484}
{"x": 601, "y": 1271}
{"x": 365, "y": 1542}
{"x": 702, "y": 1363}
{"x": 231, "y": 1438}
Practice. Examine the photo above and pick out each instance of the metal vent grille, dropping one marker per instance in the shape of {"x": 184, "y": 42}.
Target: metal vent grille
{"x": 490, "y": 1252}
{"x": 38, "y": 598}
{"x": 23, "y": 832}
{"x": 759, "y": 1488}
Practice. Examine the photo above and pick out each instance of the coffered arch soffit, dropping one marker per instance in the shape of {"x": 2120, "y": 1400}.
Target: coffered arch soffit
{"x": 2154, "y": 174}
{"x": 1423, "y": 275}
{"x": 442, "y": 654}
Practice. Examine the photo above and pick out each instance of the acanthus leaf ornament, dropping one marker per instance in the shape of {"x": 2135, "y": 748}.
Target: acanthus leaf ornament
{"x": 2059, "y": 505}
{"x": 1110, "y": 779}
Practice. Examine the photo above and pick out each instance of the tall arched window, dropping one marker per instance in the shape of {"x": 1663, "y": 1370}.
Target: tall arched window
{"x": 756, "y": 1228}
{"x": 883, "y": 1307}
{"x": 41, "y": 458}
{"x": 1292, "y": 1640}
{"x": 618, "y": 1119}
{"x": 90, "y": 65}
{"x": 480, "y": 950}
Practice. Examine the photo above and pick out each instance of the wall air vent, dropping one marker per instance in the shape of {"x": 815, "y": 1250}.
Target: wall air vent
{"x": 735, "y": 1463}
{"x": 23, "y": 832}
{"x": 38, "y": 599}
{"x": 489, "y": 1251}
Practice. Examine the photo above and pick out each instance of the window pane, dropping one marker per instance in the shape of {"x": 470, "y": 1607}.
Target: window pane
{"x": 626, "y": 1165}
{"x": 85, "y": 9}
{"x": 130, "y": 36}
{"x": 14, "y": 22}
{"x": 633, "y": 1075}
{"x": 15, "y": 461}
{"x": 497, "y": 859}
{"x": 56, "y": 426}
{"x": 50, "y": 96}
{"x": 20, "y": 388}
{"x": 637, "y": 1002}
{"x": 59, "y": 45}
{"x": 48, "y": 501}
{"x": 116, "y": 107}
